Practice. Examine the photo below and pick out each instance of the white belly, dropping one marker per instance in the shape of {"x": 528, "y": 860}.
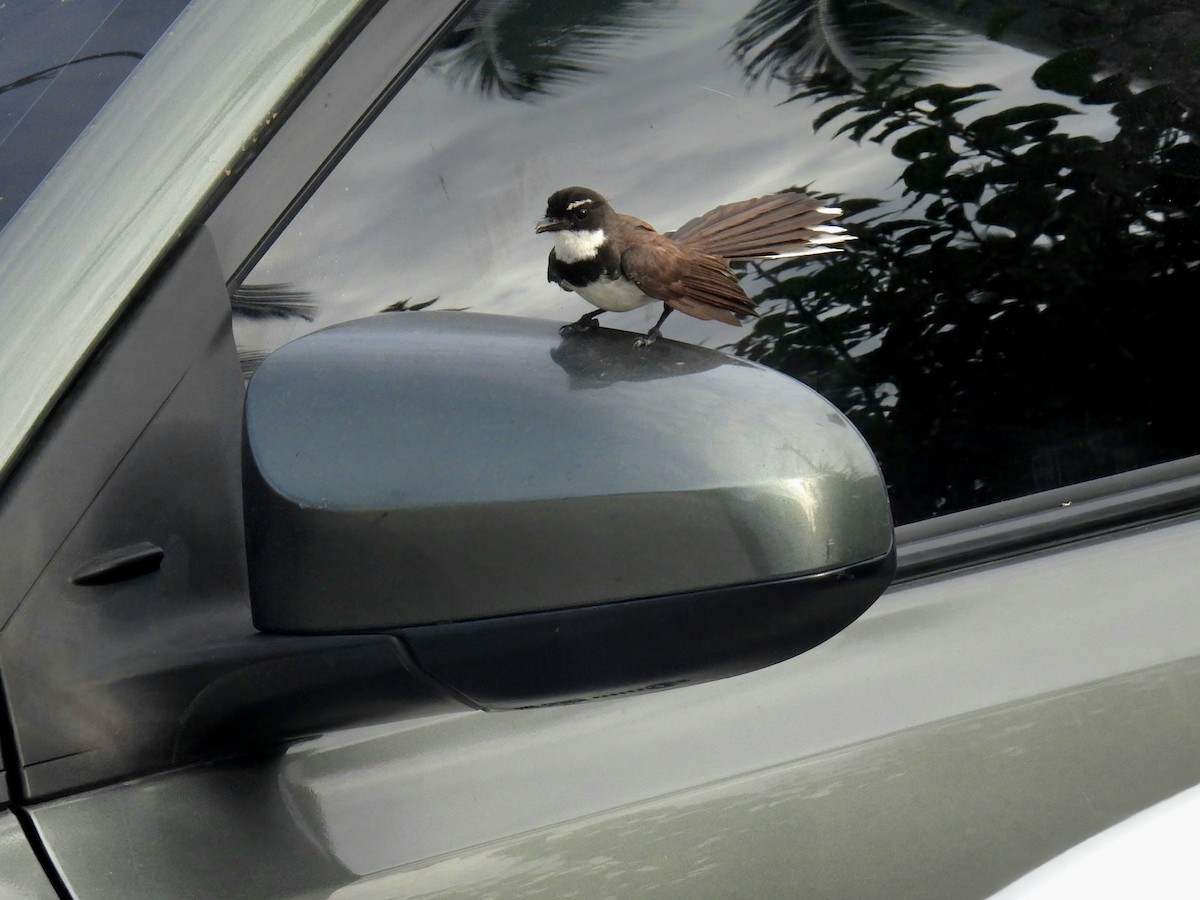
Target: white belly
{"x": 615, "y": 295}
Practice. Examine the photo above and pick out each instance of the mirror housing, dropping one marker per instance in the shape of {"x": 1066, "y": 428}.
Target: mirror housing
{"x": 543, "y": 519}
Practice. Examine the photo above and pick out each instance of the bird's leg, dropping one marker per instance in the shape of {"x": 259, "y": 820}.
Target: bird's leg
{"x": 584, "y": 323}
{"x": 656, "y": 332}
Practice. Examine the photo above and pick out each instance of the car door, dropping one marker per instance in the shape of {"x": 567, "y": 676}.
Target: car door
{"x": 1030, "y": 679}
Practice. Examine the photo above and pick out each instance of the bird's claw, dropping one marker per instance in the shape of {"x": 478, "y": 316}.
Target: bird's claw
{"x": 646, "y": 339}
{"x": 580, "y": 326}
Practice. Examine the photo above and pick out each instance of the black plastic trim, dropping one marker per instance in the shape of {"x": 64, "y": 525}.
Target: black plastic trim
{"x": 385, "y": 46}
{"x": 121, "y": 564}
{"x": 289, "y": 104}
{"x": 295, "y": 687}
{"x": 1037, "y": 521}
{"x": 10, "y": 759}
{"x": 615, "y": 649}
{"x": 41, "y": 850}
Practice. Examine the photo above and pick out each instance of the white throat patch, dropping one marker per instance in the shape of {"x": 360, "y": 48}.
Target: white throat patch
{"x": 576, "y": 246}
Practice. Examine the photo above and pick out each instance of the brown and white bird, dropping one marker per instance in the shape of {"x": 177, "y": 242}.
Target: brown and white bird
{"x": 618, "y": 263}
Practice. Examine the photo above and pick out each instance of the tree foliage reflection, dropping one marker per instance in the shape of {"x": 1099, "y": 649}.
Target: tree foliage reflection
{"x": 1023, "y": 321}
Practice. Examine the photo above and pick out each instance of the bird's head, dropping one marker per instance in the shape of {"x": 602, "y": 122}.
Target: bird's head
{"x": 575, "y": 209}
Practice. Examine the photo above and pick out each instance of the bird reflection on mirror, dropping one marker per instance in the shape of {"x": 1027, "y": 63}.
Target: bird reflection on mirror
{"x": 618, "y": 263}
{"x": 608, "y": 359}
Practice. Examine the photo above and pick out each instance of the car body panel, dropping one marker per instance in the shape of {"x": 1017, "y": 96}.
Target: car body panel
{"x": 925, "y": 813}
{"x": 1151, "y": 854}
{"x": 997, "y": 716}
{"x": 21, "y": 873}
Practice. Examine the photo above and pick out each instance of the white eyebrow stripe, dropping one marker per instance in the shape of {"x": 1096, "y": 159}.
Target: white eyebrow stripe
{"x": 575, "y": 203}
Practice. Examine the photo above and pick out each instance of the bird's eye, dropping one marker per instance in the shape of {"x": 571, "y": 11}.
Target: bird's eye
{"x": 581, "y": 213}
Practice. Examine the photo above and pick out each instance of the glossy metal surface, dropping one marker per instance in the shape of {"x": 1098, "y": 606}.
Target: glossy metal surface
{"x": 423, "y": 467}
{"x": 965, "y": 730}
{"x": 124, "y": 192}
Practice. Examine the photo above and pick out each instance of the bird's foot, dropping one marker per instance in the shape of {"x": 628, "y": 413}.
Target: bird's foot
{"x": 647, "y": 339}
{"x": 586, "y": 323}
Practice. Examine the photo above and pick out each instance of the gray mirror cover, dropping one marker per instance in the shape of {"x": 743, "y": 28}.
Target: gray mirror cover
{"x": 413, "y": 468}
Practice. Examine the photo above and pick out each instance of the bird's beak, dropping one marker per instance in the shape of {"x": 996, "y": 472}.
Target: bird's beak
{"x": 550, "y": 224}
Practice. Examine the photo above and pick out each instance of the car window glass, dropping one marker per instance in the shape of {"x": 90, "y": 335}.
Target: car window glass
{"x": 59, "y": 63}
{"x": 1025, "y": 207}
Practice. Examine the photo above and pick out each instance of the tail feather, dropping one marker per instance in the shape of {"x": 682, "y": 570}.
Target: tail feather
{"x": 735, "y": 217}
{"x": 777, "y": 225}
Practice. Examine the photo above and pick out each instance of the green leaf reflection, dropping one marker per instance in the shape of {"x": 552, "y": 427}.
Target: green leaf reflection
{"x": 1015, "y": 321}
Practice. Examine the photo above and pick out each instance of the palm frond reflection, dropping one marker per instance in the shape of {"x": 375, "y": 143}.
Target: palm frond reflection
{"x": 506, "y": 49}
{"x": 848, "y": 40}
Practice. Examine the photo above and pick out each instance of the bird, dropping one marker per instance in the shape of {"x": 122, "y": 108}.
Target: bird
{"x": 619, "y": 263}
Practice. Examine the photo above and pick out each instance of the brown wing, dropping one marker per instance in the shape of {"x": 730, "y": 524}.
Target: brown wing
{"x": 711, "y": 291}
{"x": 694, "y": 283}
{"x": 656, "y": 265}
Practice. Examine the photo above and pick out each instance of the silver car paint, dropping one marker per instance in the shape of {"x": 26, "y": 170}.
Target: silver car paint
{"x": 964, "y": 731}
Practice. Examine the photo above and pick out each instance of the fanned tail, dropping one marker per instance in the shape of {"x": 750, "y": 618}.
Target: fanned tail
{"x": 771, "y": 227}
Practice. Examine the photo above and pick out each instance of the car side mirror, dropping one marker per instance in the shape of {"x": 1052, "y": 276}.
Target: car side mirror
{"x": 544, "y": 519}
